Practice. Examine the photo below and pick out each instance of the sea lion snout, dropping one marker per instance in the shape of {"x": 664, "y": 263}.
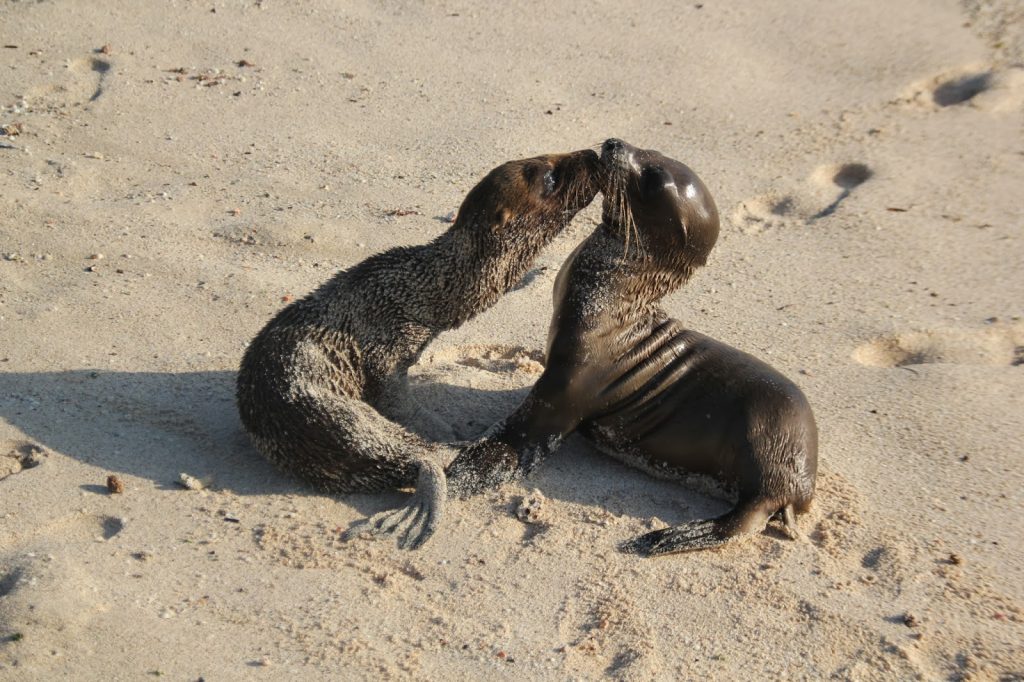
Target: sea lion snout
{"x": 577, "y": 178}
{"x": 612, "y": 145}
{"x": 617, "y": 157}
{"x": 621, "y": 160}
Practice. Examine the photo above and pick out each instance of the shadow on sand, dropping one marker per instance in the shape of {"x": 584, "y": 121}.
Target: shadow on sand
{"x": 157, "y": 425}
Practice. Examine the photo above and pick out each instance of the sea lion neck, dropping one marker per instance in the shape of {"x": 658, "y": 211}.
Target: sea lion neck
{"x": 641, "y": 273}
{"x": 459, "y": 274}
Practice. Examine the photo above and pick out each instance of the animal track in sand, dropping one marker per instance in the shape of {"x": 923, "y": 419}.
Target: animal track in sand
{"x": 82, "y": 82}
{"x": 891, "y": 559}
{"x": 815, "y": 198}
{"x": 70, "y": 528}
{"x": 845, "y": 176}
{"x": 961, "y": 89}
{"x": 9, "y": 580}
{"x": 111, "y": 526}
{"x": 607, "y": 635}
{"x": 48, "y": 599}
{"x": 978, "y": 85}
{"x": 763, "y": 213}
{"x": 837, "y": 510}
{"x": 996, "y": 345}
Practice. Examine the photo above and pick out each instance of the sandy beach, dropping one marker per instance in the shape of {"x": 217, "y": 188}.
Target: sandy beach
{"x": 176, "y": 172}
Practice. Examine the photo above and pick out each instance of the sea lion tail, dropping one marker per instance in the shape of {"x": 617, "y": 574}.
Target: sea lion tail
{"x": 744, "y": 519}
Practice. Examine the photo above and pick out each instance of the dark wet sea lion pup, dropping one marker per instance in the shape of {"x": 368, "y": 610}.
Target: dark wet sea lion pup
{"x": 643, "y": 387}
{"x": 312, "y": 382}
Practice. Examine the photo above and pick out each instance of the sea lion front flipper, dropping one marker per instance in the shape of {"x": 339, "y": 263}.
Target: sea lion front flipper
{"x": 516, "y": 446}
{"x": 414, "y": 523}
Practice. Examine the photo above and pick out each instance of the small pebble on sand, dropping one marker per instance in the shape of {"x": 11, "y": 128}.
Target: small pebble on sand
{"x": 114, "y": 484}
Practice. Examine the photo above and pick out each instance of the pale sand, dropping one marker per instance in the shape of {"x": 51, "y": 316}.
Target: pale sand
{"x": 215, "y": 192}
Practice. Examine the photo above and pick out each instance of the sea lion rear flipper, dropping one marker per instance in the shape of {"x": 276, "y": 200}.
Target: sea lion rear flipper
{"x": 789, "y": 527}
{"x": 414, "y": 523}
{"x": 746, "y": 518}
{"x": 686, "y": 537}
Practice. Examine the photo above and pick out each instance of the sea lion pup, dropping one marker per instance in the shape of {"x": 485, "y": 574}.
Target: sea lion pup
{"x": 643, "y": 387}
{"x": 313, "y": 380}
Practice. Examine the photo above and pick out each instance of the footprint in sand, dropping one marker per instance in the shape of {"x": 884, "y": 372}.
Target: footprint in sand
{"x": 70, "y": 528}
{"x": 46, "y": 604}
{"x": 837, "y": 513}
{"x": 996, "y": 345}
{"x": 82, "y": 81}
{"x": 978, "y": 86}
{"x": 819, "y": 196}
{"x": 18, "y": 457}
{"x": 763, "y": 213}
{"x": 607, "y": 635}
{"x": 891, "y": 561}
{"x": 846, "y": 177}
{"x": 961, "y": 89}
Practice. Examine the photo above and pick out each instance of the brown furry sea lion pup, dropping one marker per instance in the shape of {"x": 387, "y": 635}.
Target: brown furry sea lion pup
{"x": 312, "y": 381}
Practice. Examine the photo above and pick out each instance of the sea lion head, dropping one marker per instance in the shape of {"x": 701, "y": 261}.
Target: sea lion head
{"x": 520, "y": 206}
{"x": 543, "y": 191}
{"x": 658, "y": 202}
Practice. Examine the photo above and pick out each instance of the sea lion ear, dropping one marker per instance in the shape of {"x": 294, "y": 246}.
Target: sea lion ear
{"x": 501, "y": 218}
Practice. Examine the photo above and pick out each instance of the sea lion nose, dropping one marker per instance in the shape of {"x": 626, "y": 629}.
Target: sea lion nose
{"x": 612, "y": 144}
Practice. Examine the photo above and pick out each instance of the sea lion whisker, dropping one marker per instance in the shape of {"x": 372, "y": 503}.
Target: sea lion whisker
{"x": 630, "y": 227}
{"x": 627, "y": 234}
{"x": 625, "y": 219}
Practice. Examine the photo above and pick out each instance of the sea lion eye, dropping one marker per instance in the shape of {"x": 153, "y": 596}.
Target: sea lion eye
{"x": 549, "y": 182}
{"x": 656, "y": 179}
{"x": 649, "y": 180}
